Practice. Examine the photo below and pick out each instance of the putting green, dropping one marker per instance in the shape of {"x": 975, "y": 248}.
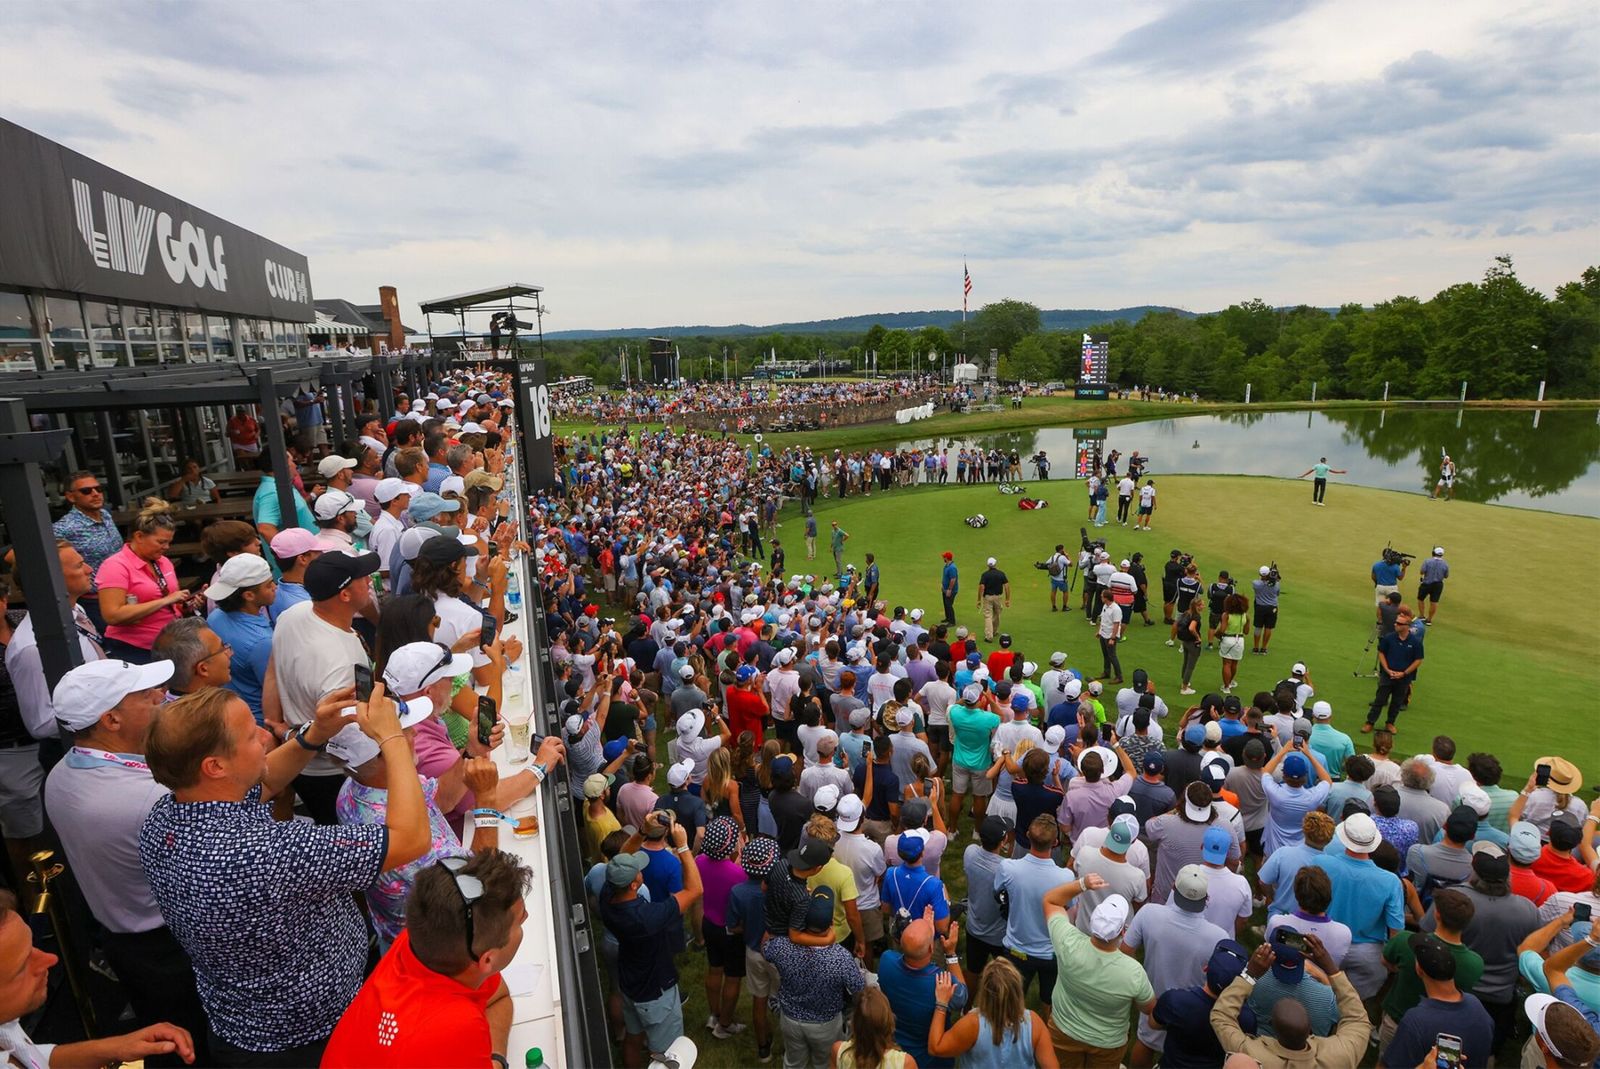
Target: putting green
{"x": 1506, "y": 669}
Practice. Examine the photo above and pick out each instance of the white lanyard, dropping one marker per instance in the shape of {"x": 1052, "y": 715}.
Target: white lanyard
{"x": 105, "y": 757}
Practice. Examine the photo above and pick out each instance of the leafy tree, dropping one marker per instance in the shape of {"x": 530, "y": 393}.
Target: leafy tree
{"x": 933, "y": 340}
{"x": 1572, "y": 338}
{"x": 1004, "y": 323}
{"x": 1389, "y": 344}
{"x": 1029, "y": 359}
{"x": 1486, "y": 334}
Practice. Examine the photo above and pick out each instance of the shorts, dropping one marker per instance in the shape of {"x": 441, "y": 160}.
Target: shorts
{"x": 724, "y": 951}
{"x": 787, "y": 731}
{"x": 971, "y": 781}
{"x": 761, "y": 976}
{"x": 1430, "y": 591}
{"x": 1266, "y": 616}
{"x": 610, "y": 582}
{"x": 21, "y": 792}
{"x": 1212, "y": 620}
{"x": 939, "y": 735}
{"x": 1145, "y": 510}
{"x": 650, "y": 722}
{"x": 1381, "y": 592}
{"x": 1231, "y": 647}
{"x": 660, "y": 1020}
{"x": 1058, "y": 584}
{"x": 872, "y": 924}
{"x": 1169, "y": 594}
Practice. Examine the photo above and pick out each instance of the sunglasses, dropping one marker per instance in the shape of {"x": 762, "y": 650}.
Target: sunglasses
{"x": 471, "y": 890}
{"x": 88, "y": 490}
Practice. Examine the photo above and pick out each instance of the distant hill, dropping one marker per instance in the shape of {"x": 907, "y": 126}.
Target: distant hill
{"x": 1050, "y": 318}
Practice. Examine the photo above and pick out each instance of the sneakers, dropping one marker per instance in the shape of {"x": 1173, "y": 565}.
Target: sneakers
{"x": 729, "y": 1032}
{"x": 1186, "y": 690}
{"x": 764, "y": 1053}
{"x": 1171, "y": 643}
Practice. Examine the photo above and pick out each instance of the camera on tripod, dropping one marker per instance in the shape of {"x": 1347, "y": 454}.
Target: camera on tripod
{"x": 1090, "y": 545}
{"x": 1394, "y": 556}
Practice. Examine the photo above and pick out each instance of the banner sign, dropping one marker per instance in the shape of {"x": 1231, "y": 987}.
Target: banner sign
{"x": 68, "y": 223}
{"x": 1087, "y": 434}
{"x": 534, "y": 416}
{"x": 1091, "y": 393}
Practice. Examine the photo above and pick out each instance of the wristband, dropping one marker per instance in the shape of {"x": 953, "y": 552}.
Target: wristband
{"x": 952, "y": 960}
{"x": 1247, "y": 976}
{"x": 299, "y": 735}
{"x": 489, "y": 818}
{"x": 943, "y": 1007}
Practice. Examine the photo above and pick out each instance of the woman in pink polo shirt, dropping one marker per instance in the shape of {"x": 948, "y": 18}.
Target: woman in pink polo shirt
{"x": 139, "y": 592}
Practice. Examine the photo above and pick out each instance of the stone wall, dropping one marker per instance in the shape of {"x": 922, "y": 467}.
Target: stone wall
{"x": 826, "y": 414}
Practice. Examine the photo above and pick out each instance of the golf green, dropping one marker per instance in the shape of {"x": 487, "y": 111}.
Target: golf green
{"x": 1506, "y": 669}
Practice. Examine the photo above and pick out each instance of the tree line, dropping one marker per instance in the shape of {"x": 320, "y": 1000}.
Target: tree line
{"x": 1499, "y": 335}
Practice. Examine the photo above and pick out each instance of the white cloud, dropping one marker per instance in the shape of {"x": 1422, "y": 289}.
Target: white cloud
{"x": 673, "y": 163}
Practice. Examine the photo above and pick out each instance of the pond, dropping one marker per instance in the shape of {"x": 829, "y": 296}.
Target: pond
{"x": 1546, "y": 460}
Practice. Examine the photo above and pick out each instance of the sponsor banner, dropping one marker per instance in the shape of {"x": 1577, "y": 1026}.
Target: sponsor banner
{"x": 69, "y": 223}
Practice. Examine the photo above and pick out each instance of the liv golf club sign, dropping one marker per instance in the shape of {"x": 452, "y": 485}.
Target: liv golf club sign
{"x": 68, "y": 223}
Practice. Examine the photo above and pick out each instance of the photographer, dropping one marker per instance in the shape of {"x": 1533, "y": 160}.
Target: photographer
{"x": 1434, "y": 572}
{"x": 1141, "y": 586}
{"x": 1216, "y": 596}
{"x": 1190, "y": 587}
{"x": 1266, "y": 589}
{"x": 1057, "y": 566}
{"x": 1387, "y": 572}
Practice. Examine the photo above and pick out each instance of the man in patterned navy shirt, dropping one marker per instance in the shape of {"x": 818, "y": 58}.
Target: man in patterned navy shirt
{"x": 263, "y": 908}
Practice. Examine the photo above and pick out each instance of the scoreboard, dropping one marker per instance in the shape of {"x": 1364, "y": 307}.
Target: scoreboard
{"x": 1094, "y": 368}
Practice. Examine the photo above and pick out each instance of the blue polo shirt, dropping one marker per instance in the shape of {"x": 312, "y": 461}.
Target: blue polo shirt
{"x": 914, "y": 889}
{"x": 1366, "y": 899}
{"x": 1026, "y": 880}
{"x": 910, "y": 992}
{"x": 1400, "y": 654}
{"x": 289, "y": 595}
{"x": 264, "y": 507}
{"x": 948, "y": 579}
{"x": 1385, "y": 574}
{"x": 250, "y": 635}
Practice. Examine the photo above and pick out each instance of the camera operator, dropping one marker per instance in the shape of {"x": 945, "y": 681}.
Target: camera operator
{"x": 1387, "y": 571}
{"x": 1216, "y": 598}
{"x": 1103, "y": 571}
{"x": 1057, "y": 566}
{"x": 1170, "y": 574}
{"x": 1086, "y": 560}
{"x": 1190, "y": 587}
{"x": 1267, "y": 588}
{"x": 1434, "y": 572}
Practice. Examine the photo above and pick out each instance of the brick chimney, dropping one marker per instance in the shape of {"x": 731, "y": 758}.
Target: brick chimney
{"x": 389, "y": 301}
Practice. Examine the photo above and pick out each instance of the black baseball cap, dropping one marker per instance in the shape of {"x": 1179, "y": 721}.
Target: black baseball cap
{"x": 1433, "y": 957}
{"x": 993, "y": 829}
{"x": 819, "y": 910}
{"x": 812, "y": 853}
{"x": 333, "y": 571}
{"x": 445, "y": 551}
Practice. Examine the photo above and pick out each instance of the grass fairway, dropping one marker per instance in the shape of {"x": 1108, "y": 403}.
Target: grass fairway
{"x": 1503, "y": 672}
{"x": 1489, "y": 642}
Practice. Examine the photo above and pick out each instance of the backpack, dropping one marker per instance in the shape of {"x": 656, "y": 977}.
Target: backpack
{"x": 1058, "y": 566}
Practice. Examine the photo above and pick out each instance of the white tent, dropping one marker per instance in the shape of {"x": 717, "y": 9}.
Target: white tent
{"x": 964, "y": 373}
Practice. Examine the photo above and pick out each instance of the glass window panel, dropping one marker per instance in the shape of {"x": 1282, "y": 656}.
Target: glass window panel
{"x": 145, "y": 354}
{"x": 66, "y": 318}
{"x": 19, "y": 355}
{"x": 105, "y": 321}
{"x": 141, "y": 323}
{"x": 16, "y": 321}
{"x": 221, "y": 337}
{"x": 167, "y": 328}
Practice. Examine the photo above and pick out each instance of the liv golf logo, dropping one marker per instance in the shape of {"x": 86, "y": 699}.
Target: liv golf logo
{"x": 124, "y": 244}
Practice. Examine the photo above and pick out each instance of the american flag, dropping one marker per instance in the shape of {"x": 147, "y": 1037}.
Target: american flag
{"x": 966, "y": 285}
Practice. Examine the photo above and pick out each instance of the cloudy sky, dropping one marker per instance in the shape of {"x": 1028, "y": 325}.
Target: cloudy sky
{"x": 667, "y": 163}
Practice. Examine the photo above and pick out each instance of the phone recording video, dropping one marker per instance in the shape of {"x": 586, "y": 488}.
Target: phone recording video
{"x": 486, "y": 719}
{"x": 1541, "y": 775}
{"x": 363, "y": 682}
{"x": 1449, "y": 1048}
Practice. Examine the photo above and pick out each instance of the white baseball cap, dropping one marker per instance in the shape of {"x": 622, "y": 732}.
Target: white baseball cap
{"x": 416, "y": 666}
{"x": 1265, "y": 571}
{"x": 335, "y": 503}
{"x": 1322, "y": 711}
{"x": 329, "y": 466}
{"x": 686, "y": 672}
{"x": 847, "y": 814}
{"x": 1109, "y": 918}
{"x": 1299, "y": 669}
{"x": 89, "y": 691}
{"x": 903, "y": 718}
{"x": 992, "y": 562}
{"x": 238, "y": 573}
{"x": 678, "y": 774}
{"x": 452, "y": 484}
{"x": 827, "y": 797}
{"x": 389, "y": 489}
{"x": 1058, "y": 658}
{"x": 915, "y": 614}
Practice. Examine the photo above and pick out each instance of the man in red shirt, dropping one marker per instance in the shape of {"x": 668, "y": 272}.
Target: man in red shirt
{"x": 1524, "y": 850}
{"x": 437, "y": 998}
{"x": 1556, "y": 862}
{"x": 1000, "y": 660}
{"x": 747, "y": 706}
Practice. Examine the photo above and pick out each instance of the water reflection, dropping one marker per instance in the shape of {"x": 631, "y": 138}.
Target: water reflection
{"x": 1537, "y": 459}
